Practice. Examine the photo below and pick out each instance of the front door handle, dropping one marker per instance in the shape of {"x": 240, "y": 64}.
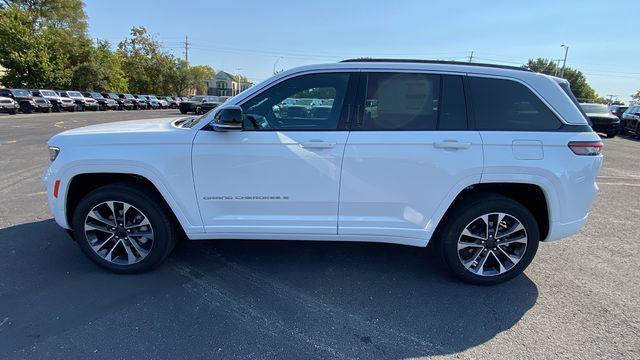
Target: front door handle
{"x": 452, "y": 144}
{"x": 317, "y": 144}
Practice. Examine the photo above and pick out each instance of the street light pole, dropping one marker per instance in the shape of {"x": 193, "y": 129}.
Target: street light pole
{"x": 564, "y": 62}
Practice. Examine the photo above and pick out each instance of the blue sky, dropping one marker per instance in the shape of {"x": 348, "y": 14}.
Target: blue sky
{"x": 251, "y": 36}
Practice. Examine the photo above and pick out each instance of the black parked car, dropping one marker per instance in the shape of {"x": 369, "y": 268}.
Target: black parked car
{"x": 602, "y": 120}
{"x": 26, "y": 101}
{"x": 138, "y": 104}
{"x": 123, "y": 104}
{"x": 630, "y": 121}
{"x": 199, "y": 104}
{"x": 103, "y": 102}
{"x": 58, "y": 103}
{"x": 618, "y": 110}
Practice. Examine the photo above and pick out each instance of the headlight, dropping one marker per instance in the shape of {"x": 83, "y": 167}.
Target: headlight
{"x": 53, "y": 152}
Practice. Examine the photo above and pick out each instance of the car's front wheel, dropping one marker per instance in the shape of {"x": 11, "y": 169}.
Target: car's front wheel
{"x": 489, "y": 239}
{"x": 612, "y": 133}
{"x": 124, "y": 228}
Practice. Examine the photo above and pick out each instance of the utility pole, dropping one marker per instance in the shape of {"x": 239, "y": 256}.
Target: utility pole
{"x": 564, "y": 62}
{"x": 186, "y": 49}
{"x": 275, "y": 63}
{"x": 471, "y": 57}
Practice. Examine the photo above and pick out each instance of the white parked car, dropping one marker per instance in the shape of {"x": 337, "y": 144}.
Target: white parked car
{"x": 485, "y": 161}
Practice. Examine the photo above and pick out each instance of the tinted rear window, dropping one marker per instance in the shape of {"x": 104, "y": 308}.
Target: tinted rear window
{"x": 401, "y": 101}
{"x": 500, "y": 104}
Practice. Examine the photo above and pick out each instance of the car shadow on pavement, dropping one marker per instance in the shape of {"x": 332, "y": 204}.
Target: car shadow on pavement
{"x": 342, "y": 299}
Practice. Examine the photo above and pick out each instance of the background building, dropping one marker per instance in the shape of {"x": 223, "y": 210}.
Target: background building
{"x": 225, "y": 84}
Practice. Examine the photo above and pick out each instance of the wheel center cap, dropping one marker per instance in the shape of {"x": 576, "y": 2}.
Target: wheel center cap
{"x": 120, "y": 231}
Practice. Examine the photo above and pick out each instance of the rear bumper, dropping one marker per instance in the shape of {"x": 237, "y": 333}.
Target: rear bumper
{"x": 606, "y": 127}
{"x": 559, "y": 230}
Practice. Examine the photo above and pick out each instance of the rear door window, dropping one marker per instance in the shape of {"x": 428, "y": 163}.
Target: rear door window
{"x": 401, "y": 101}
{"x": 507, "y": 105}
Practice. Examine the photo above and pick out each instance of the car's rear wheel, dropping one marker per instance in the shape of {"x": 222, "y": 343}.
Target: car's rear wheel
{"x": 489, "y": 239}
{"x": 124, "y": 228}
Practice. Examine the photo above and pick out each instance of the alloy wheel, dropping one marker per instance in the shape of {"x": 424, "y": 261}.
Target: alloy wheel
{"x": 492, "y": 244}
{"x": 119, "y": 232}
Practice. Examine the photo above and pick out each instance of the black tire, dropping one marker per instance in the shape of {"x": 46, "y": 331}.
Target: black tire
{"x": 102, "y": 107}
{"x": 611, "y": 134}
{"x": 472, "y": 208}
{"x": 198, "y": 111}
{"x": 13, "y": 112}
{"x": 165, "y": 234}
{"x": 183, "y": 111}
{"x": 26, "y": 108}
{"x": 623, "y": 128}
{"x": 637, "y": 131}
{"x": 71, "y": 109}
{"x": 55, "y": 107}
{"x": 80, "y": 107}
{"x": 47, "y": 110}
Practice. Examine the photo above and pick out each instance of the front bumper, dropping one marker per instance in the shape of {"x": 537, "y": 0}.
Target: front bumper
{"x": 67, "y": 105}
{"x": 42, "y": 107}
{"x": 9, "y": 107}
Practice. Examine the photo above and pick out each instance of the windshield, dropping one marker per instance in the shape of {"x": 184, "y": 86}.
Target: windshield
{"x": 141, "y": 97}
{"x": 595, "y": 108}
{"x": 128, "y": 96}
{"x": 196, "y": 98}
{"x": 48, "y": 93}
{"x": 20, "y": 92}
{"x": 96, "y": 95}
{"x": 153, "y": 97}
{"x": 112, "y": 96}
{"x": 74, "y": 94}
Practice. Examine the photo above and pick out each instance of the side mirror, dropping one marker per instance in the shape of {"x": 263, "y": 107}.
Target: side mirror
{"x": 228, "y": 119}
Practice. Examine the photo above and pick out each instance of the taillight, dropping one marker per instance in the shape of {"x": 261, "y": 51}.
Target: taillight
{"x": 588, "y": 148}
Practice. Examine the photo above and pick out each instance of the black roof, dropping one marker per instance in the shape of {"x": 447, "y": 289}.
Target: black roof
{"x": 445, "y": 62}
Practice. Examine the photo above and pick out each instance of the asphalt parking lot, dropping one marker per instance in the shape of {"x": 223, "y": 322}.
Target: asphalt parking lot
{"x": 299, "y": 300}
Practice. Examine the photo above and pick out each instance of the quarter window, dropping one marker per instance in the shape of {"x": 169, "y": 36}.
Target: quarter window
{"x": 401, "y": 101}
{"x": 453, "y": 113}
{"x": 500, "y": 104}
{"x": 307, "y": 102}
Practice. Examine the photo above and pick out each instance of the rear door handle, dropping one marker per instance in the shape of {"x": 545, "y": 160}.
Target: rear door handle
{"x": 452, "y": 144}
{"x": 317, "y": 144}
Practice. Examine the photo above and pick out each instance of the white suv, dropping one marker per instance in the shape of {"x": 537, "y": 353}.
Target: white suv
{"x": 485, "y": 161}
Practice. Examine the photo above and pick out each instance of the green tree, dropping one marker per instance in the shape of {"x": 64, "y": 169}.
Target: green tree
{"x": 42, "y": 41}
{"x": 579, "y": 86}
{"x": 197, "y": 75}
{"x": 103, "y": 71}
{"x": 148, "y": 68}
{"x": 636, "y": 97}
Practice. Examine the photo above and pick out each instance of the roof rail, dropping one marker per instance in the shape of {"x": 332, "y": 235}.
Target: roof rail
{"x": 445, "y": 62}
